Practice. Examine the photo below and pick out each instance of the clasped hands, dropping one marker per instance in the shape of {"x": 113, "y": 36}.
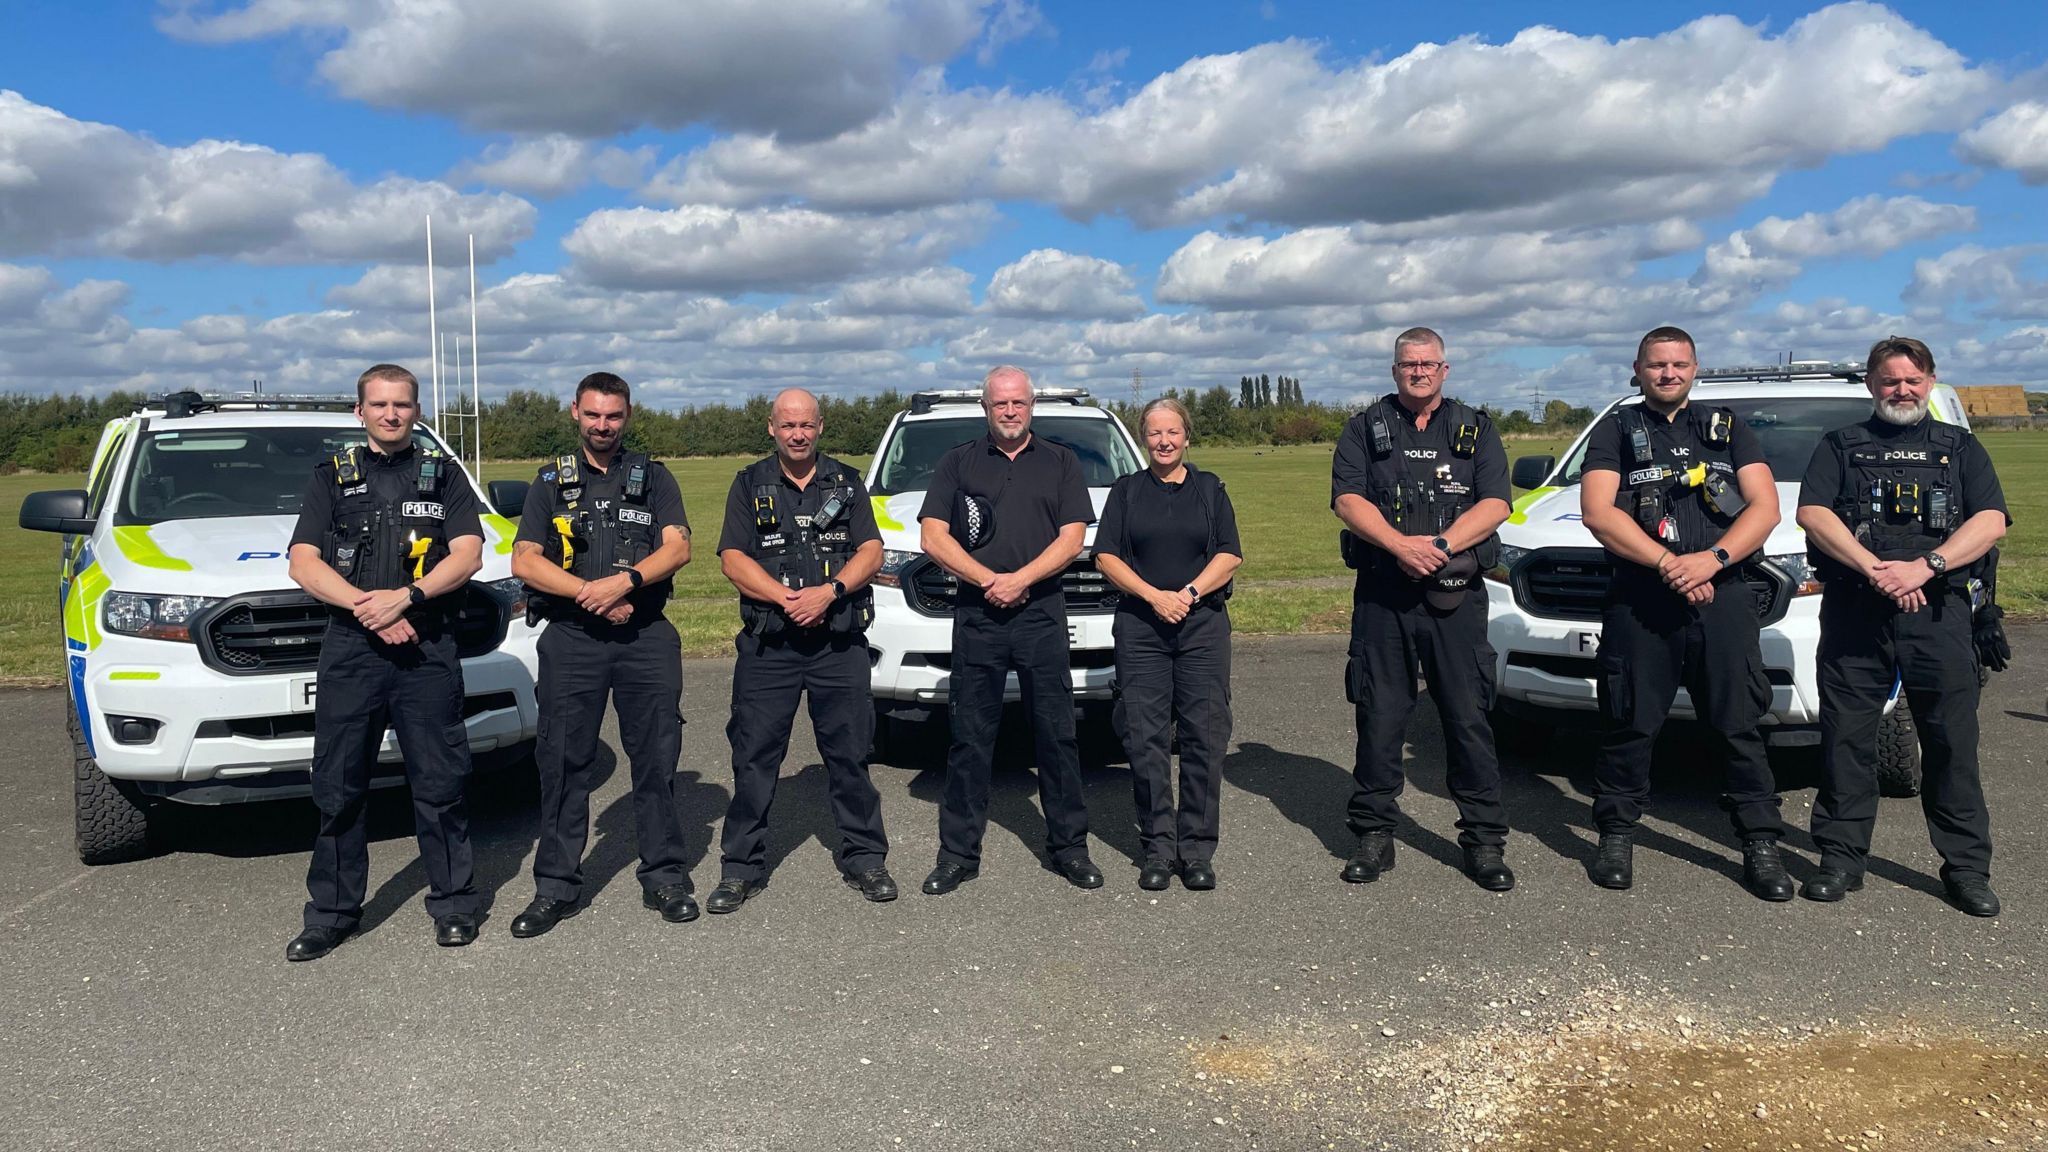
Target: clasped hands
{"x": 1901, "y": 581}
{"x": 1691, "y": 575}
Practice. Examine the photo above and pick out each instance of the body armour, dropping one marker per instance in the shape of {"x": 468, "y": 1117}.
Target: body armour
{"x": 379, "y": 540}
{"x": 1901, "y": 500}
{"x": 805, "y": 550}
{"x": 1421, "y": 483}
{"x": 1662, "y": 474}
{"x": 599, "y": 525}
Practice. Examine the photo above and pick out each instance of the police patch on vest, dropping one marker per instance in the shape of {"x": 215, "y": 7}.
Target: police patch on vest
{"x": 1918, "y": 455}
{"x": 425, "y": 509}
{"x": 1645, "y": 476}
{"x": 636, "y": 516}
{"x": 1419, "y": 453}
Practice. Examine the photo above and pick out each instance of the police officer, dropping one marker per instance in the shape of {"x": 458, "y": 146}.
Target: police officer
{"x": 1021, "y": 502}
{"x": 1420, "y": 482}
{"x": 800, "y": 544}
{"x": 1901, "y": 512}
{"x": 1680, "y": 497}
{"x": 1168, "y": 539}
{"x": 600, "y": 540}
{"x": 387, "y": 538}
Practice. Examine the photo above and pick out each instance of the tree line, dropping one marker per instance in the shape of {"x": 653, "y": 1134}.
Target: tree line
{"x": 58, "y": 433}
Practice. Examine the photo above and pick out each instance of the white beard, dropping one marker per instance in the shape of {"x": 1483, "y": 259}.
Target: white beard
{"x": 1903, "y": 415}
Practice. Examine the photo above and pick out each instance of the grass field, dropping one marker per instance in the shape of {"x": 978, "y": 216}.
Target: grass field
{"x": 1291, "y": 580}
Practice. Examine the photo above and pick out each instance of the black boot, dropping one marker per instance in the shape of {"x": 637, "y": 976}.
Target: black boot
{"x": 1374, "y": 855}
{"x": 1763, "y": 871}
{"x": 1614, "y": 865}
{"x": 1487, "y": 866}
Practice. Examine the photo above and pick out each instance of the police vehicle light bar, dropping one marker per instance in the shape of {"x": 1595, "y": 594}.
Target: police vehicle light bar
{"x": 1847, "y": 370}
{"x": 176, "y": 405}
{"x": 925, "y": 401}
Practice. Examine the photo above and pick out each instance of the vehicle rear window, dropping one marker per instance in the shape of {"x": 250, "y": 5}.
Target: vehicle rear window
{"x": 201, "y": 474}
{"x": 911, "y": 455}
{"x": 1787, "y": 428}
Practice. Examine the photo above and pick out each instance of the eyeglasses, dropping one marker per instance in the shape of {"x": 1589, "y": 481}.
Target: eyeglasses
{"x": 1418, "y": 365}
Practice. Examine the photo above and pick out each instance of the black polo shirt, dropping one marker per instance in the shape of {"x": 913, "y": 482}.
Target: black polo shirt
{"x": 740, "y": 534}
{"x": 664, "y": 503}
{"x": 1033, "y": 497}
{"x": 1675, "y": 438}
{"x": 1167, "y": 533}
{"x": 1976, "y": 489}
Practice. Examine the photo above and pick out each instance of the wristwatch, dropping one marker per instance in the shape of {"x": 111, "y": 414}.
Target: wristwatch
{"x": 1936, "y": 561}
{"x": 1194, "y": 593}
{"x": 838, "y": 589}
{"x": 416, "y": 594}
{"x": 1440, "y": 544}
{"x": 1720, "y": 554}
{"x": 634, "y": 577}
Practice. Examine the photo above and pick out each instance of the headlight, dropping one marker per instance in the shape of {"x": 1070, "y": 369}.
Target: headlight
{"x": 510, "y": 592}
{"x": 1798, "y": 571}
{"x": 154, "y": 617}
{"x": 893, "y": 564}
{"x": 1509, "y": 557}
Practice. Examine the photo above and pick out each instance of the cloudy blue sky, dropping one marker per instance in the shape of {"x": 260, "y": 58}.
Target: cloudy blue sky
{"x": 719, "y": 199}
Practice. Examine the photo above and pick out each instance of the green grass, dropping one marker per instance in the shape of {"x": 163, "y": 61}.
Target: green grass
{"x": 1291, "y": 581}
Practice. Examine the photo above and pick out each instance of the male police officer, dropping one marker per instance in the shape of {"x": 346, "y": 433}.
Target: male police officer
{"x": 1680, "y": 497}
{"x": 1900, "y": 510}
{"x": 800, "y": 544}
{"x": 1420, "y": 482}
{"x": 1021, "y": 503}
{"x": 388, "y": 538}
{"x": 600, "y": 540}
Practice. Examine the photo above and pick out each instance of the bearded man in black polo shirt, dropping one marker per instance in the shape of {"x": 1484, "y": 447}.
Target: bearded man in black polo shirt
{"x": 1901, "y": 513}
{"x": 1021, "y": 504}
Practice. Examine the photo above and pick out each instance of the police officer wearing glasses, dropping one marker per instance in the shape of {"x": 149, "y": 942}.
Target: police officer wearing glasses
{"x": 1420, "y": 482}
{"x": 1902, "y": 512}
{"x": 388, "y": 538}
{"x": 1681, "y": 498}
{"x": 800, "y": 544}
{"x": 600, "y": 540}
{"x": 1168, "y": 540}
{"x": 1021, "y": 505}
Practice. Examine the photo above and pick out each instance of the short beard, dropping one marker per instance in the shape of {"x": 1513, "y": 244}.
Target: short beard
{"x": 1901, "y": 415}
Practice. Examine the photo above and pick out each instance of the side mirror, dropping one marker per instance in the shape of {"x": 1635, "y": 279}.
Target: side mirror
{"x": 508, "y": 496}
{"x": 60, "y": 511}
{"x": 1531, "y": 471}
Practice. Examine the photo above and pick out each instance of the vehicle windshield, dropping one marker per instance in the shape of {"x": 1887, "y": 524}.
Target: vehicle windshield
{"x": 1786, "y": 428}
{"x": 208, "y": 473}
{"x": 914, "y": 451}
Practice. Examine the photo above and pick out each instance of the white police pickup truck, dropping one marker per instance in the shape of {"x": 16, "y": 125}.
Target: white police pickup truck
{"x": 912, "y": 634}
{"x": 189, "y": 652}
{"x": 1543, "y": 618}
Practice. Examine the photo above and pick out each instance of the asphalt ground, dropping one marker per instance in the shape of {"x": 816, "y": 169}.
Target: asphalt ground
{"x": 148, "y": 1005}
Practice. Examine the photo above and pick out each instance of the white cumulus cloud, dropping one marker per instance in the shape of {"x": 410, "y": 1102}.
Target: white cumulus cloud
{"x": 1049, "y": 282}
{"x": 2016, "y": 138}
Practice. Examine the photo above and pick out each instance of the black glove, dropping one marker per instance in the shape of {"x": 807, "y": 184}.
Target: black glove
{"x": 1992, "y": 650}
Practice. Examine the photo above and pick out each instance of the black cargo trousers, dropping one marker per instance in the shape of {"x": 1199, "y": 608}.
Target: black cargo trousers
{"x": 365, "y": 686}
{"x": 1651, "y": 643}
{"x": 1865, "y": 645}
{"x": 1395, "y": 633}
{"x": 1165, "y": 671}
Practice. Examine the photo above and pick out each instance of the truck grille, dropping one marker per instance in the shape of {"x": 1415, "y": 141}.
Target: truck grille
{"x": 273, "y": 632}
{"x": 1571, "y": 584}
{"x": 932, "y": 590}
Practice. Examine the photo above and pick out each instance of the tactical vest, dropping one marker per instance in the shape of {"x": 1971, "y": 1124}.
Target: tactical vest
{"x": 379, "y": 541}
{"x": 1901, "y": 500}
{"x": 1416, "y": 506}
{"x": 600, "y": 525}
{"x": 805, "y": 551}
{"x": 1656, "y": 478}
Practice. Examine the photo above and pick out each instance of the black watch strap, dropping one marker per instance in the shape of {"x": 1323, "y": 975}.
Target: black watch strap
{"x": 838, "y": 589}
{"x": 416, "y": 594}
{"x": 633, "y": 575}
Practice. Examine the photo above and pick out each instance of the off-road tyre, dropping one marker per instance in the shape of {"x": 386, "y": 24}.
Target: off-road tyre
{"x": 110, "y": 817}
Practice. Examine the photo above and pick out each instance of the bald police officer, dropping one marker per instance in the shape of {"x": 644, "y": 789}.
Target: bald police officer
{"x": 800, "y": 544}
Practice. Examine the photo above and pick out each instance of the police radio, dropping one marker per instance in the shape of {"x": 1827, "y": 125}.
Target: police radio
{"x": 829, "y": 511}
{"x": 1639, "y": 442}
{"x": 430, "y": 471}
{"x": 1937, "y": 510}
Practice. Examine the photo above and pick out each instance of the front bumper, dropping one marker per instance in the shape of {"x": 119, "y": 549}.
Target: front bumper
{"x": 220, "y": 738}
{"x": 1547, "y": 665}
{"x": 913, "y": 657}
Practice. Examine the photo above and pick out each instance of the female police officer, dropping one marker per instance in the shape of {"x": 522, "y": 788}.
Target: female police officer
{"x": 1168, "y": 539}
